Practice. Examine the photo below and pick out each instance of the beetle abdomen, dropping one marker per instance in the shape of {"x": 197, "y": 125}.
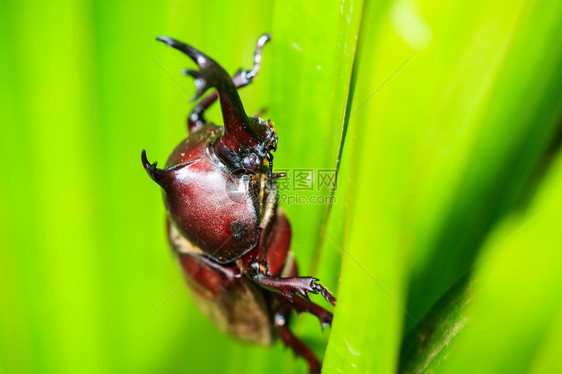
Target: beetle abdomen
{"x": 234, "y": 303}
{"x": 229, "y": 299}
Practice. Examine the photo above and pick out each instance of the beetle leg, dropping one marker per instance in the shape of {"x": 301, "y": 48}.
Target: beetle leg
{"x": 300, "y": 305}
{"x": 229, "y": 273}
{"x": 241, "y": 79}
{"x": 281, "y": 321}
{"x": 290, "y": 286}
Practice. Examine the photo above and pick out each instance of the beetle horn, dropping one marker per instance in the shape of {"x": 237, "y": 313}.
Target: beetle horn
{"x": 240, "y": 130}
{"x": 162, "y": 176}
{"x": 157, "y": 175}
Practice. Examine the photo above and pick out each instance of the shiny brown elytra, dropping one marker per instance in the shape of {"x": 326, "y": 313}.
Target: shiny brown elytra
{"x": 224, "y": 226}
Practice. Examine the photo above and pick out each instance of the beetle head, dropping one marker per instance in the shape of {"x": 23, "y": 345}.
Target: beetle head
{"x": 246, "y": 148}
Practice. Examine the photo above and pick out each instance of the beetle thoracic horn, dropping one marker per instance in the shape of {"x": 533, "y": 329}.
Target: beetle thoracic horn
{"x": 162, "y": 176}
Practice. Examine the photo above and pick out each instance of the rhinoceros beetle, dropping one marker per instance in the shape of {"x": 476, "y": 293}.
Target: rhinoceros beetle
{"x": 224, "y": 226}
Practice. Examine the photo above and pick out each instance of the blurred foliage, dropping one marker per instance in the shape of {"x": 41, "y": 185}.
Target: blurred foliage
{"x": 451, "y": 114}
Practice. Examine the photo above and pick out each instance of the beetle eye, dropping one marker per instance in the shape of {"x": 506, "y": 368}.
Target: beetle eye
{"x": 251, "y": 162}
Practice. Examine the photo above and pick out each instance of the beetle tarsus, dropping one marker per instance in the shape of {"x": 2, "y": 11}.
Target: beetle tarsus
{"x": 326, "y": 294}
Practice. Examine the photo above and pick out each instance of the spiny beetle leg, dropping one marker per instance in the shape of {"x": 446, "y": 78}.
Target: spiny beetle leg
{"x": 293, "y": 286}
{"x": 241, "y": 79}
{"x": 300, "y": 305}
{"x": 281, "y": 321}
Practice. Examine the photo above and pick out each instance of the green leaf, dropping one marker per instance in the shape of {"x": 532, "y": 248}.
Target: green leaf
{"x": 456, "y": 116}
{"x": 443, "y": 142}
{"x": 491, "y": 146}
{"x": 427, "y": 345}
{"x": 508, "y": 319}
{"x": 89, "y": 283}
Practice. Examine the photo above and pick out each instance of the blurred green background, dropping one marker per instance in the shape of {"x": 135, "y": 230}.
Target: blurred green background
{"x": 444, "y": 240}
